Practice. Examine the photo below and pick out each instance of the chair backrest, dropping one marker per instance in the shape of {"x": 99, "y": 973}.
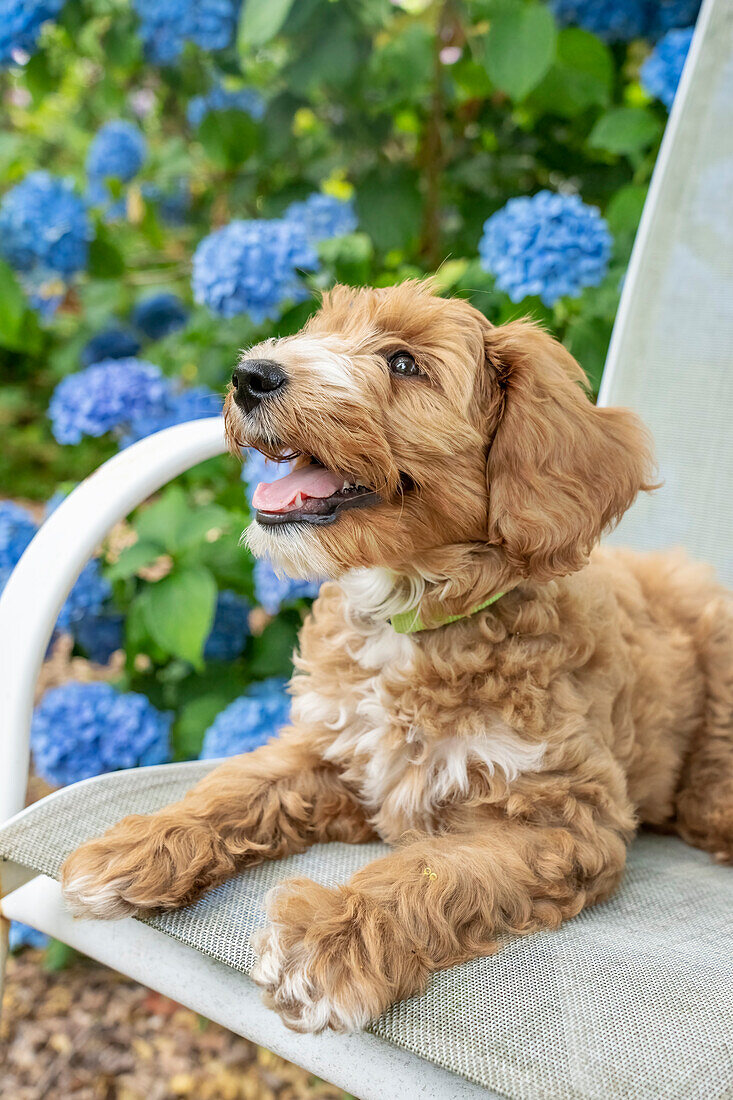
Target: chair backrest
{"x": 671, "y": 356}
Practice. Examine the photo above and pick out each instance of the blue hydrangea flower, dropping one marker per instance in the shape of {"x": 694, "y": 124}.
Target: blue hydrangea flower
{"x": 622, "y": 20}
{"x": 99, "y": 634}
{"x": 272, "y": 591}
{"x": 166, "y": 24}
{"x": 196, "y": 403}
{"x": 81, "y": 730}
{"x": 90, "y": 592}
{"x": 611, "y": 20}
{"x": 667, "y": 15}
{"x": 105, "y": 396}
{"x": 21, "y": 23}
{"x": 117, "y": 151}
{"x": 220, "y": 98}
{"x": 323, "y": 216}
{"x": 249, "y": 721}
{"x": 44, "y": 227}
{"x": 173, "y": 205}
{"x": 17, "y": 528}
{"x": 45, "y": 291}
{"x": 54, "y": 500}
{"x": 98, "y": 195}
{"x": 230, "y": 629}
{"x": 111, "y": 343}
{"x": 159, "y": 315}
{"x": 661, "y": 72}
{"x": 22, "y": 935}
{"x": 252, "y": 267}
{"x": 548, "y": 245}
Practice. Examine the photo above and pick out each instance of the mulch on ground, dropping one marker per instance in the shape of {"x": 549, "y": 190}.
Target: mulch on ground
{"x": 87, "y": 1033}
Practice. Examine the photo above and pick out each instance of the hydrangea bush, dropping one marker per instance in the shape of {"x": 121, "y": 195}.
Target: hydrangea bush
{"x": 253, "y": 267}
{"x": 45, "y": 232}
{"x": 21, "y": 24}
{"x": 220, "y": 98}
{"x": 166, "y": 25}
{"x": 117, "y": 151}
{"x": 661, "y": 72}
{"x": 178, "y": 180}
{"x": 81, "y": 730}
{"x": 551, "y": 246}
{"x": 249, "y": 721}
{"x": 106, "y": 396}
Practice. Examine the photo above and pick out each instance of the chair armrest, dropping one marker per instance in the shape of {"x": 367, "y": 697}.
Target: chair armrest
{"x": 45, "y": 574}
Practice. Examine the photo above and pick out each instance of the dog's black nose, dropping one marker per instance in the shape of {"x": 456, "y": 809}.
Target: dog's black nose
{"x": 255, "y": 379}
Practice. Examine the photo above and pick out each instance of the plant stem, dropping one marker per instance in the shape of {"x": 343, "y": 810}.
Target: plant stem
{"x": 431, "y": 155}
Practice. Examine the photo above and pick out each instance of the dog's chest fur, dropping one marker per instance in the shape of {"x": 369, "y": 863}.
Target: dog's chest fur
{"x": 406, "y": 748}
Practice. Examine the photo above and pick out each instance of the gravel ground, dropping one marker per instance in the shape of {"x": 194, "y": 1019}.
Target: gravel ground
{"x": 87, "y": 1033}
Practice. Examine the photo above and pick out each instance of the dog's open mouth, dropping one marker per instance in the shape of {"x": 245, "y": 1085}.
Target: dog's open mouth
{"x": 310, "y": 494}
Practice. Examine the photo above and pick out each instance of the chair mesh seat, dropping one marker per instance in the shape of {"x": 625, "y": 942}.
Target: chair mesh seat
{"x": 632, "y": 999}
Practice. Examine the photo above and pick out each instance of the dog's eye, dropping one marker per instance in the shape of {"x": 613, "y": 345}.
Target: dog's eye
{"x": 403, "y": 364}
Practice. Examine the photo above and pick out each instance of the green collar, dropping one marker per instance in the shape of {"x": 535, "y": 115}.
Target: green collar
{"x": 409, "y": 622}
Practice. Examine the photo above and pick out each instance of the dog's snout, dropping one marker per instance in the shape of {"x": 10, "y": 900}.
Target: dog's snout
{"x": 255, "y": 379}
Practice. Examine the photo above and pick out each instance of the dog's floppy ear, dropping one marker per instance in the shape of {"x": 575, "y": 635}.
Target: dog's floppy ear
{"x": 559, "y": 469}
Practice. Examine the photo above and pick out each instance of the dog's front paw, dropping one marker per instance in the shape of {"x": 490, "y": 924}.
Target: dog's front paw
{"x": 143, "y": 863}
{"x": 96, "y": 879}
{"x": 319, "y": 964}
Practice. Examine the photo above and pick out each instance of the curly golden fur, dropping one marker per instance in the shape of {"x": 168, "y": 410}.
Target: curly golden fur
{"x": 508, "y": 756}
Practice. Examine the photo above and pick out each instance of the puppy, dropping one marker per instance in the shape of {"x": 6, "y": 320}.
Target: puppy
{"x": 480, "y": 687}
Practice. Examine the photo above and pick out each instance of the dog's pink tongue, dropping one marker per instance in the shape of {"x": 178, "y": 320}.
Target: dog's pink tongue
{"x": 290, "y": 491}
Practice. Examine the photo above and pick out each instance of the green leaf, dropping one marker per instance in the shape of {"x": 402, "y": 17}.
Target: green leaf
{"x": 348, "y": 257}
{"x": 58, "y": 956}
{"x": 133, "y": 559}
{"x": 581, "y": 77}
{"x": 228, "y": 560}
{"x": 161, "y": 521}
{"x": 588, "y": 340}
{"x": 122, "y": 46}
{"x": 624, "y": 209}
{"x": 625, "y": 130}
{"x": 38, "y": 77}
{"x": 272, "y": 651}
{"x": 195, "y": 717}
{"x": 520, "y": 48}
{"x": 137, "y": 636}
{"x": 179, "y": 611}
{"x": 105, "y": 259}
{"x": 260, "y": 21}
{"x": 332, "y": 57}
{"x": 389, "y": 207}
{"x": 12, "y": 307}
{"x": 229, "y": 137}
{"x": 197, "y": 525}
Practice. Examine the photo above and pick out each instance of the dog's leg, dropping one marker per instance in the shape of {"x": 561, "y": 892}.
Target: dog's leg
{"x": 266, "y": 804}
{"x": 705, "y": 796}
{"x": 338, "y": 958}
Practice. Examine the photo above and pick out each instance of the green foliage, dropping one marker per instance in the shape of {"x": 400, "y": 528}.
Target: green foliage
{"x": 58, "y": 956}
{"x": 520, "y": 47}
{"x": 581, "y": 76}
{"x": 261, "y": 20}
{"x": 429, "y": 115}
{"x": 625, "y": 130}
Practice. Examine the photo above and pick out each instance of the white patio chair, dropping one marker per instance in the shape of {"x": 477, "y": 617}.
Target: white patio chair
{"x": 632, "y": 999}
